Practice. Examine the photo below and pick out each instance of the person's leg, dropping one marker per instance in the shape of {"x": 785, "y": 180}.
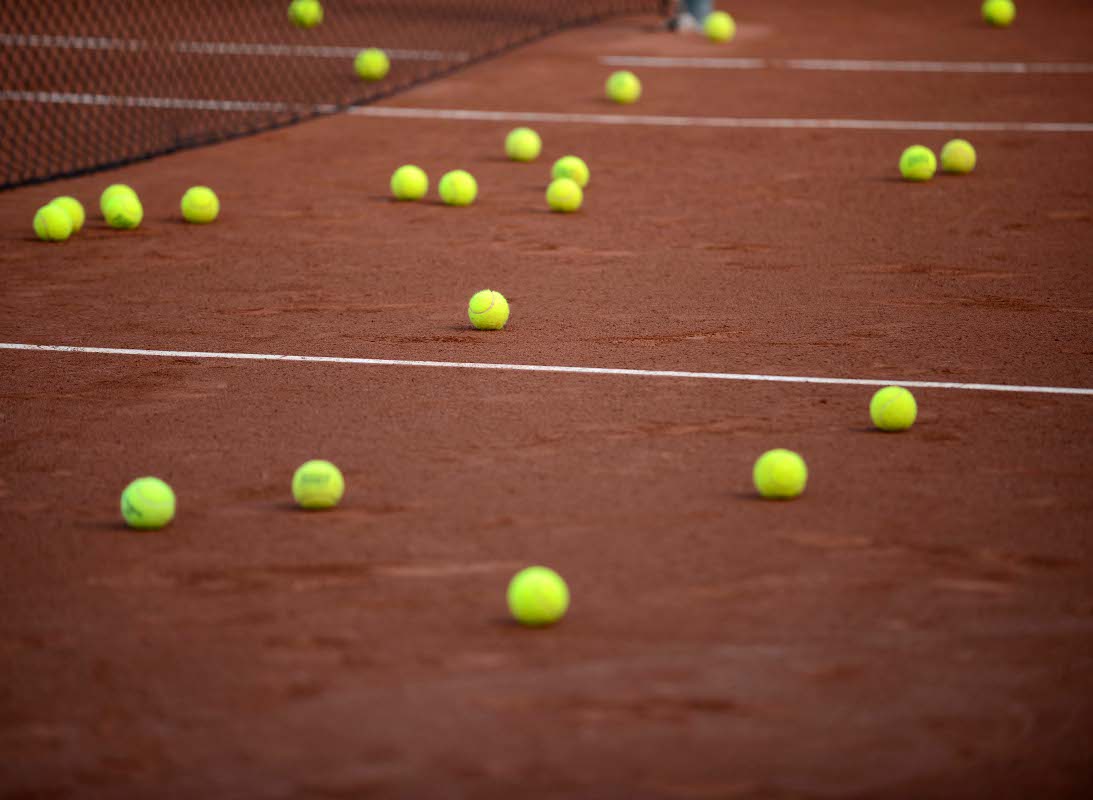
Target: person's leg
{"x": 699, "y": 9}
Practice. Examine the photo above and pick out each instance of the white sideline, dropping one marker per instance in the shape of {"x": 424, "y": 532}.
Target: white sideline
{"x": 466, "y": 114}
{"x": 852, "y": 65}
{"x": 641, "y": 373}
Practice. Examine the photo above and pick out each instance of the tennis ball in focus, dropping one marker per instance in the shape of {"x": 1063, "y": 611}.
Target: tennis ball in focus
{"x": 409, "y": 182}
{"x": 565, "y": 195}
{"x": 200, "y": 205}
{"x": 999, "y": 13}
{"x": 537, "y": 596}
{"x": 74, "y": 209}
{"x": 623, "y": 87}
{"x": 573, "y": 168}
{"x": 488, "y": 310}
{"x": 318, "y": 484}
{"x": 372, "y": 64}
{"x": 893, "y": 408}
{"x": 147, "y": 504}
{"x": 124, "y": 211}
{"x": 720, "y": 27}
{"x": 780, "y": 474}
{"x": 52, "y": 223}
{"x": 458, "y": 188}
{"x": 112, "y": 191}
{"x": 958, "y": 156}
{"x": 917, "y": 163}
{"x": 305, "y": 13}
{"x": 523, "y": 144}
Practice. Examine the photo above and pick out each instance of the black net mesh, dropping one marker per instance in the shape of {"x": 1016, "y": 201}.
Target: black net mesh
{"x": 88, "y": 84}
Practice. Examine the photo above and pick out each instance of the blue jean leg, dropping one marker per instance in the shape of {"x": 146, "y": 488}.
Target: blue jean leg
{"x": 699, "y": 9}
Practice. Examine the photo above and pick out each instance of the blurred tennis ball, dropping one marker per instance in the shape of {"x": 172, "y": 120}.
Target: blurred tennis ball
{"x": 523, "y": 144}
{"x": 372, "y": 64}
{"x": 409, "y": 182}
{"x": 200, "y": 205}
{"x": 999, "y": 13}
{"x": 52, "y": 223}
{"x": 124, "y": 211}
{"x": 917, "y": 163}
{"x": 780, "y": 474}
{"x": 112, "y": 191}
{"x": 893, "y": 408}
{"x": 74, "y": 209}
{"x": 565, "y": 195}
{"x": 573, "y": 168}
{"x": 720, "y": 27}
{"x": 458, "y": 188}
{"x": 623, "y": 87}
{"x": 537, "y": 596}
{"x": 318, "y": 484}
{"x": 488, "y": 310}
{"x": 305, "y": 13}
{"x": 147, "y": 504}
{"x": 958, "y": 156}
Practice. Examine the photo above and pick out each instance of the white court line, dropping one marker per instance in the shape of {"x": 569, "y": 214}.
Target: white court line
{"x": 852, "y": 65}
{"x": 69, "y": 98}
{"x": 718, "y": 122}
{"x": 639, "y": 373}
{"x": 218, "y": 48}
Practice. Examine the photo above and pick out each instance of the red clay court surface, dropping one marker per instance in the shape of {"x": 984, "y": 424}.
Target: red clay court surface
{"x": 918, "y": 625}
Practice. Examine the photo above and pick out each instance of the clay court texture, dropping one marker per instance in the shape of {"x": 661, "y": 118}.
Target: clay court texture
{"x": 747, "y": 269}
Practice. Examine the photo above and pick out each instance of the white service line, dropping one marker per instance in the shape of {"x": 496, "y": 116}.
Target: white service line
{"x": 465, "y": 114}
{"x": 852, "y": 65}
{"x": 638, "y": 373}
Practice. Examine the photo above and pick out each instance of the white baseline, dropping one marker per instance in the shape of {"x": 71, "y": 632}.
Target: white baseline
{"x": 852, "y": 65}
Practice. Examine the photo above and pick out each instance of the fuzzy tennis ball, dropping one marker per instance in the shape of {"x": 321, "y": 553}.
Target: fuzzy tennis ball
{"x": 305, "y": 13}
{"x": 458, "y": 188}
{"x": 573, "y": 168}
{"x": 110, "y": 192}
{"x": 523, "y": 144}
{"x": 720, "y": 27}
{"x": 537, "y": 596}
{"x": 124, "y": 211}
{"x": 409, "y": 182}
{"x": 623, "y": 87}
{"x": 74, "y": 209}
{"x": 780, "y": 474}
{"x": 52, "y": 223}
{"x": 318, "y": 484}
{"x": 372, "y": 64}
{"x": 147, "y": 504}
{"x": 917, "y": 163}
{"x": 999, "y": 13}
{"x": 200, "y": 205}
{"x": 565, "y": 195}
{"x": 488, "y": 310}
{"x": 958, "y": 156}
{"x": 893, "y": 408}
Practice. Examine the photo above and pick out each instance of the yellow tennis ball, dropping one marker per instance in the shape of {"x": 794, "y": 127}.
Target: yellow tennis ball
{"x": 147, "y": 504}
{"x": 458, "y": 188}
{"x": 409, "y": 182}
{"x": 917, "y": 163}
{"x": 720, "y": 27}
{"x": 52, "y": 223}
{"x": 200, "y": 205}
{"x": 124, "y": 211}
{"x": 565, "y": 195}
{"x": 318, "y": 484}
{"x": 488, "y": 310}
{"x": 537, "y": 596}
{"x": 372, "y": 64}
{"x": 958, "y": 156}
{"x": 523, "y": 144}
{"x": 623, "y": 87}
{"x": 110, "y": 192}
{"x": 573, "y": 168}
{"x": 893, "y": 408}
{"x": 74, "y": 209}
{"x": 780, "y": 474}
{"x": 305, "y": 13}
{"x": 999, "y": 13}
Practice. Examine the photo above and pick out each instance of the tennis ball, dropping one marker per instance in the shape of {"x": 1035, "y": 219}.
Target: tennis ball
{"x": 893, "y": 408}
{"x": 999, "y": 13}
{"x": 565, "y": 195}
{"x": 573, "y": 168}
{"x": 623, "y": 87}
{"x": 305, "y": 13}
{"x": 318, "y": 484}
{"x": 109, "y": 193}
{"x": 147, "y": 504}
{"x": 409, "y": 182}
{"x": 74, "y": 209}
{"x": 488, "y": 310}
{"x": 124, "y": 211}
{"x": 523, "y": 144}
{"x": 720, "y": 27}
{"x": 958, "y": 156}
{"x": 917, "y": 163}
{"x": 372, "y": 64}
{"x": 780, "y": 474}
{"x": 200, "y": 205}
{"x": 458, "y": 188}
{"x": 52, "y": 223}
{"x": 537, "y": 596}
